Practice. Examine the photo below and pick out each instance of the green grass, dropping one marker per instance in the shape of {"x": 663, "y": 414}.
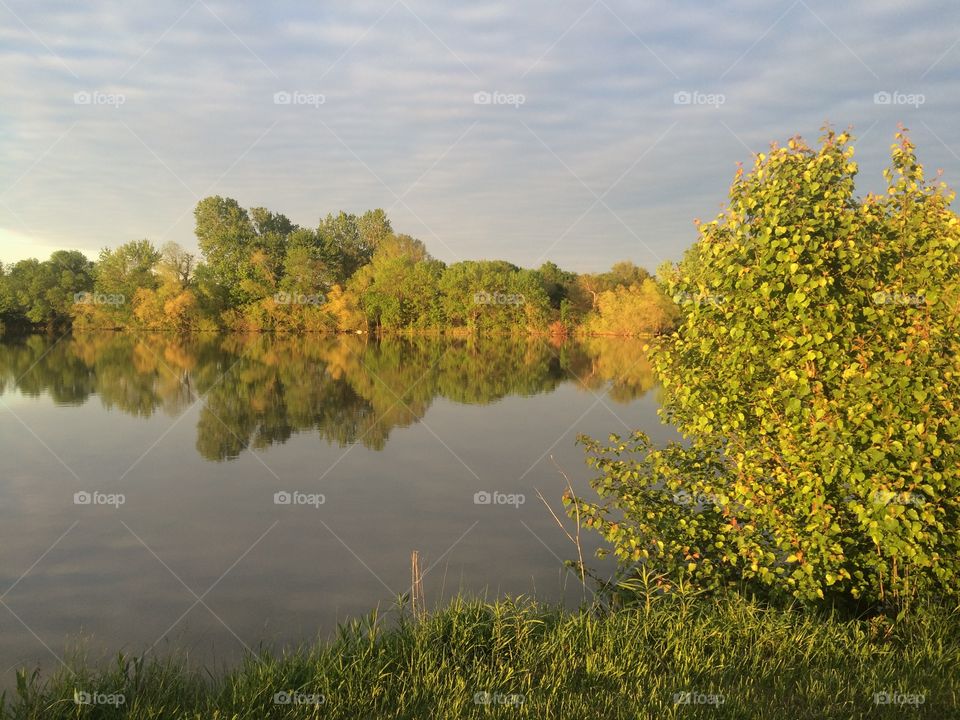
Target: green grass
{"x": 764, "y": 663}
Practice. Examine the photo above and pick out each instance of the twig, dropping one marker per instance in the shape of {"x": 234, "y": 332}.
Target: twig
{"x": 574, "y": 540}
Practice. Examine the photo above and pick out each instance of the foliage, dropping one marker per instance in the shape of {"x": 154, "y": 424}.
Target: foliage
{"x": 622, "y": 274}
{"x": 260, "y": 272}
{"x": 493, "y": 296}
{"x": 351, "y": 241}
{"x": 226, "y": 237}
{"x": 814, "y": 374}
{"x": 640, "y": 309}
{"x": 399, "y": 287}
{"x": 44, "y": 293}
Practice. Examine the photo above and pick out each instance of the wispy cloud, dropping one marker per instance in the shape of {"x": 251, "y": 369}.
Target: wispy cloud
{"x": 599, "y": 83}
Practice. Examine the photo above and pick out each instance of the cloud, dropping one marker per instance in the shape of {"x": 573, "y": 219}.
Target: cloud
{"x": 398, "y": 80}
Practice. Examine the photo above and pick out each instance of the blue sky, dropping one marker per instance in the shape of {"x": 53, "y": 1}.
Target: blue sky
{"x": 587, "y": 153}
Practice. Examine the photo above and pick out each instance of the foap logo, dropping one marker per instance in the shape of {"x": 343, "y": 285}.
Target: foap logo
{"x": 899, "y": 98}
{"x": 901, "y": 299}
{"x": 698, "y": 299}
{"x": 296, "y": 97}
{"x": 95, "y": 97}
{"x": 498, "y": 298}
{"x": 695, "y": 97}
{"x": 889, "y": 497}
{"x": 688, "y": 697}
{"x": 682, "y": 497}
{"x": 498, "y": 498}
{"x": 299, "y": 498}
{"x": 114, "y": 500}
{"x": 95, "y": 298}
{"x": 82, "y": 697}
{"x": 498, "y": 98}
{"x": 497, "y": 698}
{"x": 285, "y": 298}
{"x": 891, "y": 697}
{"x": 291, "y": 697}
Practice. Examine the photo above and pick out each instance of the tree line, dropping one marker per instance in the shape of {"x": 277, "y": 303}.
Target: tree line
{"x": 261, "y": 272}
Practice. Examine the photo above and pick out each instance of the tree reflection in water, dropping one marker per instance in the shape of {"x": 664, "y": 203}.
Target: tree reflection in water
{"x": 258, "y": 390}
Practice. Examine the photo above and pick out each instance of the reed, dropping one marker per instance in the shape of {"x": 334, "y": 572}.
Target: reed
{"x": 666, "y": 658}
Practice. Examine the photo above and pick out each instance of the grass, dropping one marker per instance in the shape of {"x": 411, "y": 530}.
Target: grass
{"x": 542, "y": 662}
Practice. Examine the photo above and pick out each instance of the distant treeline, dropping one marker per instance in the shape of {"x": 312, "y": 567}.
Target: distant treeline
{"x": 261, "y": 272}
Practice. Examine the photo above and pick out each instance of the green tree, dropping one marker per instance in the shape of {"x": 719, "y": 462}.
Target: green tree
{"x": 127, "y": 268}
{"x": 625, "y": 273}
{"x": 227, "y": 238}
{"x": 7, "y": 304}
{"x": 306, "y": 266}
{"x": 817, "y": 385}
{"x": 494, "y": 296}
{"x": 557, "y": 283}
{"x": 213, "y": 297}
{"x": 119, "y": 274}
{"x": 374, "y": 228}
{"x": 44, "y": 293}
{"x": 272, "y": 234}
{"x": 399, "y": 287}
{"x": 351, "y": 241}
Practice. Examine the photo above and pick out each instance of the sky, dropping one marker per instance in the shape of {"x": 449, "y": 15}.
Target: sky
{"x": 584, "y": 132}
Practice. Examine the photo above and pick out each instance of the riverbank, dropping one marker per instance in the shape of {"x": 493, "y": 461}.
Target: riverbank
{"x": 725, "y": 658}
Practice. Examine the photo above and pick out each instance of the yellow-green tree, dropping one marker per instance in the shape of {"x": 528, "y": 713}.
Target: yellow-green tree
{"x": 633, "y": 310}
{"x": 818, "y": 390}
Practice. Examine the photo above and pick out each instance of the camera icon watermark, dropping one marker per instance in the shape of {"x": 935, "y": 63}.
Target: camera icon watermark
{"x": 296, "y": 497}
{"x": 295, "y": 97}
{"x": 95, "y": 97}
{"x": 695, "y": 97}
{"x": 114, "y": 500}
{"x": 889, "y": 497}
{"x": 888, "y": 697}
{"x": 497, "y": 698}
{"x": 698, "y": 299}
{"x": 900, "y": 299}
{"x": 97, "y": 298}
{"x": 499, "y": 98}
{"x": 688, "y": 697}
{"x": 82, "y": 697}
{"x": 498, "y": 298}
{"x": 684, "y": 497}
{"x": 291, "y": 697}
{"x": 499, "y": 498}
{"x": 899, "y": 98}
{"x": 295, "y": 298}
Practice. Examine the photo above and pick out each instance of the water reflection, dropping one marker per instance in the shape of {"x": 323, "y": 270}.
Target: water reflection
{"x": 256, "y": 391}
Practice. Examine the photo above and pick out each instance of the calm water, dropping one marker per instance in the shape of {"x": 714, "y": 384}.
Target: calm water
{"x": 381, "y": 447}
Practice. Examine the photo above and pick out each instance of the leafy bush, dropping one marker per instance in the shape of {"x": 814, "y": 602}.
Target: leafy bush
{"x": 814, "y": 374}
{"x": 640, "y": 309}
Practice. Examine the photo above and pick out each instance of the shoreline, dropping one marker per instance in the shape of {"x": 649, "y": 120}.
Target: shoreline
{"x": 719, "y": 657}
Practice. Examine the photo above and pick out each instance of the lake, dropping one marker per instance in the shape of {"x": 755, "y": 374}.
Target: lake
{"x": 218, "y": 494}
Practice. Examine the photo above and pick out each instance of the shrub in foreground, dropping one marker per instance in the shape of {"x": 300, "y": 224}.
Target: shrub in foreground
{"x": 814, "y": 374}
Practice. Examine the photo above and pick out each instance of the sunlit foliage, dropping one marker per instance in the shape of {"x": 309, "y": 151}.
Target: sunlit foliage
{"x": 814, "y": 373}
